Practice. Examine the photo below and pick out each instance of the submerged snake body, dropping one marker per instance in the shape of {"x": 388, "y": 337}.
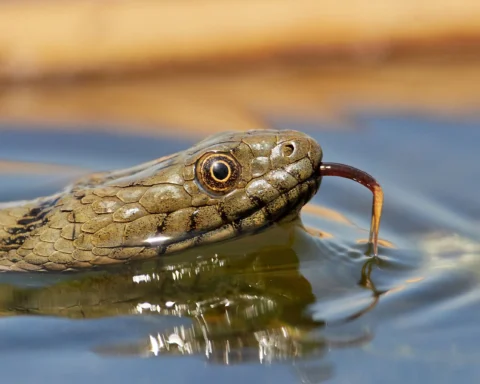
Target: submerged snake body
{"x": 225, "y": 186}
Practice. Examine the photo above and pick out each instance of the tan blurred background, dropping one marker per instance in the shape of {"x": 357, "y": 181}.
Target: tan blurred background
{"x": 206, "y": 65}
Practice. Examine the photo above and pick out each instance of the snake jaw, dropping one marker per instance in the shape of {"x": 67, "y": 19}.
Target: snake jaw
{"x": 285, "y": 204}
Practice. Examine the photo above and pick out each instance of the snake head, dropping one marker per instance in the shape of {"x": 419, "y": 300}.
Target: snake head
{"x": 227, "y": 185}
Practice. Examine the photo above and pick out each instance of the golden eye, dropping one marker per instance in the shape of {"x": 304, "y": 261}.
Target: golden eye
{"x": 218, "y": 172}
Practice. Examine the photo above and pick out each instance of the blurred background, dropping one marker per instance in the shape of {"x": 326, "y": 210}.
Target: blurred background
{"x": 210, "y": 65}
{"x": 391, "y": 87}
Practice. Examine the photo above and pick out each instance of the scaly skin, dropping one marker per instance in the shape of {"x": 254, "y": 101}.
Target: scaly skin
{"x": 163, "y": 206}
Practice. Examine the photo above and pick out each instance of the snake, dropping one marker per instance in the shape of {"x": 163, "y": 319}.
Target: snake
{"x": 228, "y": 185}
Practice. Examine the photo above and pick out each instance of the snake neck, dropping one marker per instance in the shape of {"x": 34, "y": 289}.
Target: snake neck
{"x": 18, "y": 220}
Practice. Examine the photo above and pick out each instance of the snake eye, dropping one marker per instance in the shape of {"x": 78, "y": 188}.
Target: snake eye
{"x": 218, "y": 172}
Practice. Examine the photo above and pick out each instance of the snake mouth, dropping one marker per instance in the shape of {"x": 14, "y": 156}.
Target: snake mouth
{"x": 287, "y": 205}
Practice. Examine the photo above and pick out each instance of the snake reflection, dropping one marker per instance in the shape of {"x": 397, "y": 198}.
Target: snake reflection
{"x": 244, "y": 306}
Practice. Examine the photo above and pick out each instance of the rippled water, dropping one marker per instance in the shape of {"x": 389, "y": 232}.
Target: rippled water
{"x": 292, "y": 304}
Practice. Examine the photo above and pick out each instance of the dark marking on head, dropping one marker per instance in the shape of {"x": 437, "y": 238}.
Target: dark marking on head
{"x": 192, "y": 222}
{"x": 237, "y": 226}
{"x": 74, "y": 230}
{"x": 222, "y": 213}
{"x": 161, "y": 227}
{"x": 257, "y": 202}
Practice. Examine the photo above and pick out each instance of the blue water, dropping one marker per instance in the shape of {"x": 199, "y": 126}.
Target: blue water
{"x": 418, "y": 314}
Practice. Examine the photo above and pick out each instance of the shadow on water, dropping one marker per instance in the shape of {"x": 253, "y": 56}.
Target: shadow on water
{"x": 305, "y": 301}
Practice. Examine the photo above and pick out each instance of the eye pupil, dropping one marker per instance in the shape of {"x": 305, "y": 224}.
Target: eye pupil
{"x": 220, "y": 170}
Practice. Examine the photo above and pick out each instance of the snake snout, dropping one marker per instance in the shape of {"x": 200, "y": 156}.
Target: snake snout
{"x": 300, "y": 154}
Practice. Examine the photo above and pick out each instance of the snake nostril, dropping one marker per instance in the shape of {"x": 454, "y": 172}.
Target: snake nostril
{"x": 288, "y": 149}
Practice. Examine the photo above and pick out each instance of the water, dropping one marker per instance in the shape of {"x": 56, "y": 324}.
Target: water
{"x": 280, "y": 307}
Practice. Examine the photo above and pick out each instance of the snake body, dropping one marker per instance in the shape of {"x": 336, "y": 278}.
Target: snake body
{"x": 228, "y": 185}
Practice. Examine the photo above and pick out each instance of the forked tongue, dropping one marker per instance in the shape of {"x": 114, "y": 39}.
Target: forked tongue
{"x": 348, "y": 172}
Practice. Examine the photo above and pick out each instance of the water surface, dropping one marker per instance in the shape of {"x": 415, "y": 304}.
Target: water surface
{"x": 293, "y": 304}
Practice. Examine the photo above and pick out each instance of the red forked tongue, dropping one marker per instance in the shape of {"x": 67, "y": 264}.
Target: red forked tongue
{"x": 348, "y": 172}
